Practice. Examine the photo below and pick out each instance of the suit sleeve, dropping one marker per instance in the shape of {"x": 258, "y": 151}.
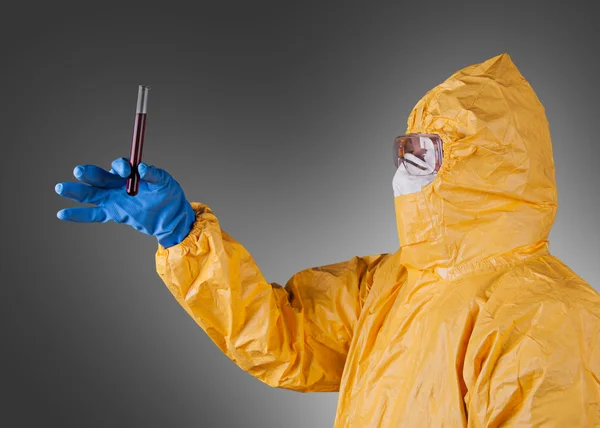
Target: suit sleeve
{"x": 294, "y": 337}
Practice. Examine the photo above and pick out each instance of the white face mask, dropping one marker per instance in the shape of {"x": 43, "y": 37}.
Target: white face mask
{"x": 405, "y": 183}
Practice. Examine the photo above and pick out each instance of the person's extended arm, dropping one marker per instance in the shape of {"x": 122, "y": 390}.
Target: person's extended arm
{"x": 294, "y": 337}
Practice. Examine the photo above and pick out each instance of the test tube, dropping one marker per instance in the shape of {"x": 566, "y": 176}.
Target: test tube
{"x": 137, "y": 142}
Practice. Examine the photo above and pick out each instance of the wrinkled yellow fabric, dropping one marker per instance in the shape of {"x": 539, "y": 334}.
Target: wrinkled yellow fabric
{"x": 471, "y": 323}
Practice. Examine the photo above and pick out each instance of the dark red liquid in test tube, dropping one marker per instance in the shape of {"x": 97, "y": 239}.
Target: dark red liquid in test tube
{"x": 137, "y": 142}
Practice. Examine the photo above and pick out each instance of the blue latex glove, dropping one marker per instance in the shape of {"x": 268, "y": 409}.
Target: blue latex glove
{"x": 159, "y": 209}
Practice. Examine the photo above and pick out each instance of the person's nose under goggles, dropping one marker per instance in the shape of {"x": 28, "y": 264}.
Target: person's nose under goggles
{"x": 420, "y": 154}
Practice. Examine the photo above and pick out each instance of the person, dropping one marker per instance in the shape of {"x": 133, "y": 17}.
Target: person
{"x": 472, "y": 322}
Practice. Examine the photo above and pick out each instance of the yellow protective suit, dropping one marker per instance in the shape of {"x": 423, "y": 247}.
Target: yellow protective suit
{"x": 471, "y": 323}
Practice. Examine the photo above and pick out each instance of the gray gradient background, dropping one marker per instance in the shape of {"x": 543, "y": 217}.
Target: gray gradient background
{"x": 281, "y": 119}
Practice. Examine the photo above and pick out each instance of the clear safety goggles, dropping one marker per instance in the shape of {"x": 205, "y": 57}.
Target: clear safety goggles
{"x": 420, "y": 154}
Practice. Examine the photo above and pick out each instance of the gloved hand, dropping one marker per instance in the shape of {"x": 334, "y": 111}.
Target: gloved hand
{"x": 159, "y": 209}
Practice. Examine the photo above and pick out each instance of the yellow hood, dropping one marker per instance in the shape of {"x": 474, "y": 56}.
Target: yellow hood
{"x": 495, "y": 192}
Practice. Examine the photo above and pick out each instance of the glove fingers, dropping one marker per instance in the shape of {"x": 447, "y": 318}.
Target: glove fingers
{"x": 121, "y": 167}
{"x": 84, "y": 215}
{"x": 82, "y": 192}
{"x": 153, "y": 175}
{"x": 97, "y": 177}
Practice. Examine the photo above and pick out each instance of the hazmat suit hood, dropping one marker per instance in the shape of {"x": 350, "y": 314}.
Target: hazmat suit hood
{"x": 495, "y": 192}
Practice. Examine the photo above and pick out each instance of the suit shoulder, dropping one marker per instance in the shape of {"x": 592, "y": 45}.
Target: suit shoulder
{"x": 548, "y": 279}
